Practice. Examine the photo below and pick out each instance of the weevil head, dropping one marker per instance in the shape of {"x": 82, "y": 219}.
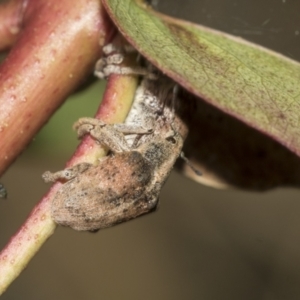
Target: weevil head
{"x": 162, "y": 151}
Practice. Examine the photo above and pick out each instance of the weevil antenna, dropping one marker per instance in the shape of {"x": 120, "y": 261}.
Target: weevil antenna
{"x": 196, "y": 171}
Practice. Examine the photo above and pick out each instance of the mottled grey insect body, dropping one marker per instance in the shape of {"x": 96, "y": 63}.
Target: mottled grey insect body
{"x": 127, "y": 183}
{"x": 115, "y": 191}
{"x": 121, "y": 187}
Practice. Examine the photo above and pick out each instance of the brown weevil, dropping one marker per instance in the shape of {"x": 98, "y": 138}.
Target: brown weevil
{"x": 126, "y": 183}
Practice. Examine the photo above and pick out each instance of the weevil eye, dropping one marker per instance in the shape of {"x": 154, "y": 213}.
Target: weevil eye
{"x": 171, "y": 139}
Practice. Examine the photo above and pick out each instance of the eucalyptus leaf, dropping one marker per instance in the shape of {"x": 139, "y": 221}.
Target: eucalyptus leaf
{"x": 249, "y": 82}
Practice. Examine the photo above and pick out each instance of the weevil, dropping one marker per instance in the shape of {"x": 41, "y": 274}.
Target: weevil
{"x": 126, "y": 183}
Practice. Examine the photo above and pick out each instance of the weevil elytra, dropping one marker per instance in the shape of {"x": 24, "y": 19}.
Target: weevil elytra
{"x": 126, "y": 183}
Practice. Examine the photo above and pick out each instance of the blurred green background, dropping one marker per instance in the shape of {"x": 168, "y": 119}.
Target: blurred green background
{"x": 201, "y": 243}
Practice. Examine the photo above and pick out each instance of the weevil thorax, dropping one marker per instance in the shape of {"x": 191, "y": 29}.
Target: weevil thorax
{"x": 149, "y": 109}
{"x": 152, "y": 108}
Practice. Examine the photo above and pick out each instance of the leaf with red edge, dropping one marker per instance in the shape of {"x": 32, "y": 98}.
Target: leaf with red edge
{"x": 251, "y": 83}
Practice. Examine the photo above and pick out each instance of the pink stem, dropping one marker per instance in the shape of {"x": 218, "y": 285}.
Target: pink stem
{"x": 11, "y": 15}
{"x": 54, "y": 53}
{"x": 39, "y": 225}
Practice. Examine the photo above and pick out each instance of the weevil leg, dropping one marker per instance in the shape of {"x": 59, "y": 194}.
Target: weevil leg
{"x": 66, "y": 174}
{"x": 132, "y": 129}
{"x": 110, "y": 136}
{"x": 104, "y": 71}
{"x": 110, "y": 64}
{"x": 86, "y": 125}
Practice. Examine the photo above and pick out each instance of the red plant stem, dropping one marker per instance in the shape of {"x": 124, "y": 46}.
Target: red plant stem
{"x": 11, "y": 15}
{"x": 56, "y": 50}
{"x": 39, "y": 225}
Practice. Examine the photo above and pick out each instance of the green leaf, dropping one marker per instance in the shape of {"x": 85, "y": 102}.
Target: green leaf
{"x": 253, "y": 84}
